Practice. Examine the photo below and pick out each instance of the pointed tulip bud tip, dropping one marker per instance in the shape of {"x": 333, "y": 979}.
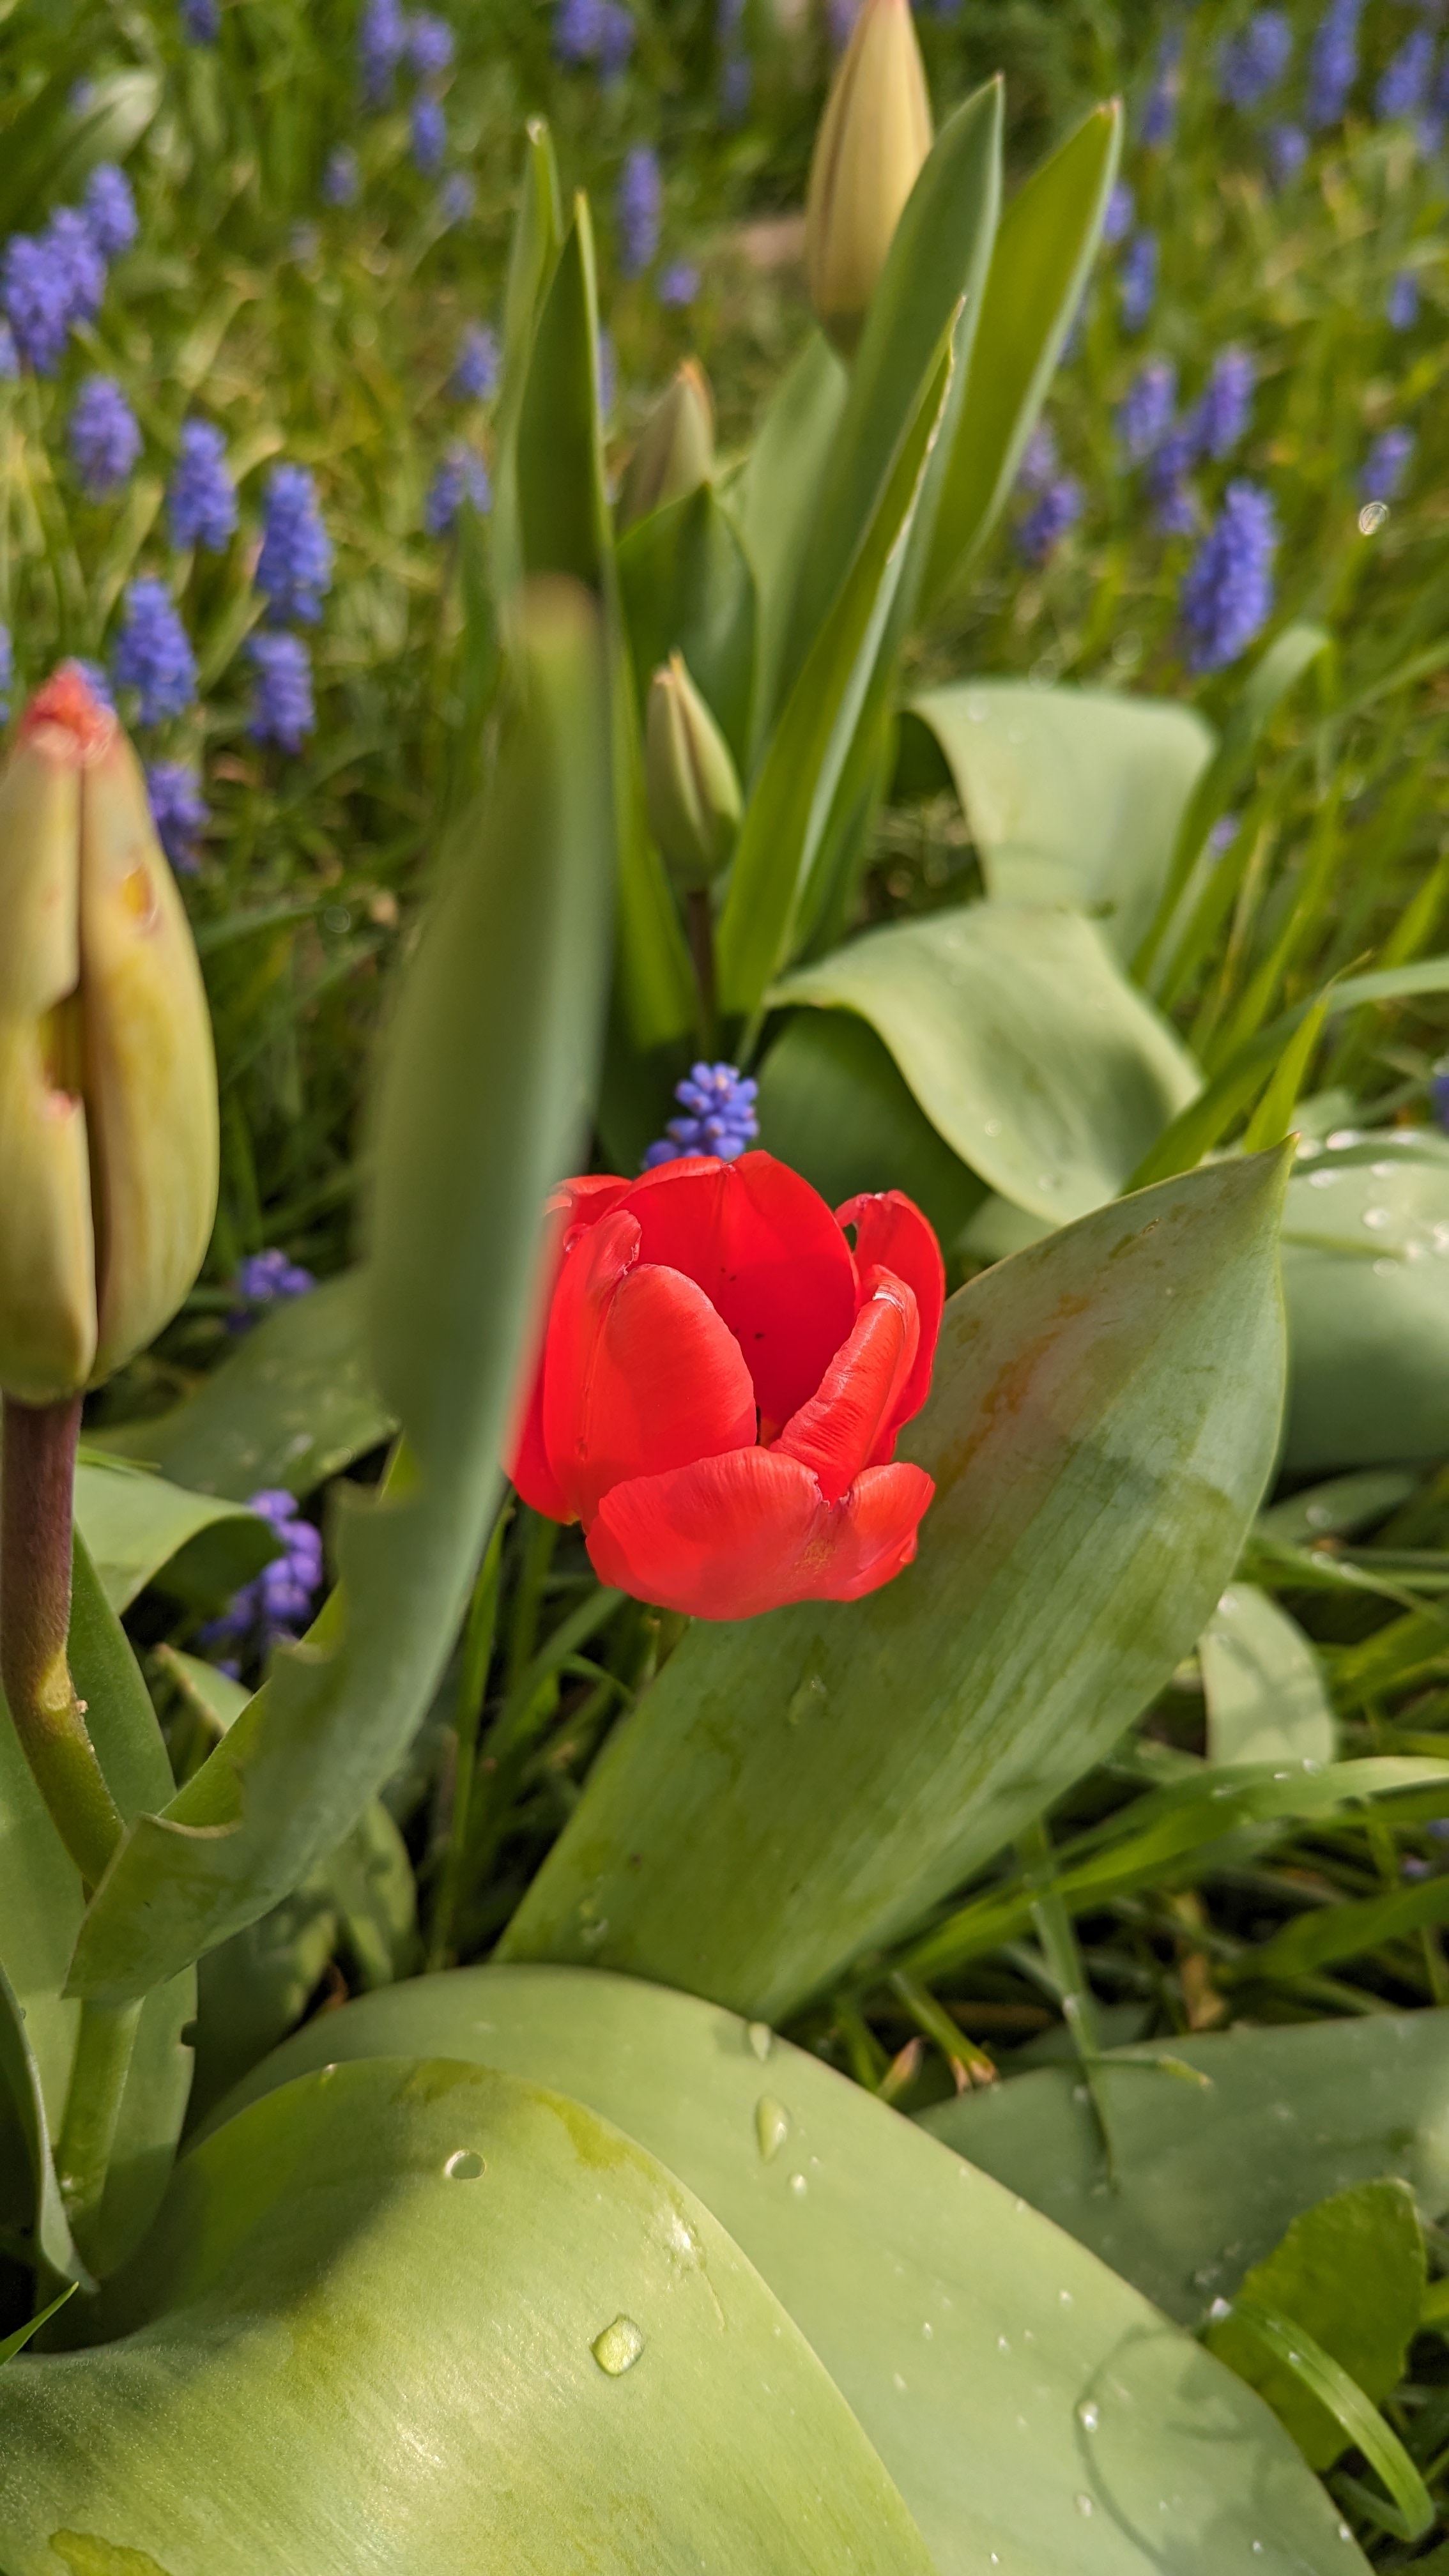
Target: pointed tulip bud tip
{"x": 108, "y": 1109}
{"x": 691, "y": 785}
{"x": 675, "y": 453}
{"x": 874, "y": 137}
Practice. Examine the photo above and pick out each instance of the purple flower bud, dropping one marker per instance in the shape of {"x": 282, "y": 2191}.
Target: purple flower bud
{"x": 1042, "y": 530}
{"x": 110, "y": 210}
{"x": 282, "y": 711}
{"x": 638, "y": 208}
{"x": 200, "y": 21}
{"x": 1227, "y": 595}
{"x": 719, "y": 1102}
{"x": 1404, "y": 88}
{"x": 1254, "y": 62}
{"x": 475, "y": 369}
{"x": 153, "y": 652}
{"x": 462, "y": 476}
{"x": 1120, "y": 216}
{"x": 1402, "y": 306}
{"x": 456, "y": 198}
{"x": 105, "y": 440}
{"x": 342, "y": 178}
{"x": 1333, "y": 62}
{"x": 1225, "y": 407}
{"x": 202, "y": 499}
{"x": 430, "y": 135}
{"x": 382, "y": 42}
{"x": 1386, "y": 465}
{"x": 678, "y": 283}
{"x": 294, "y": 568}
{"x": 1145, "y": 417}
{"x": 1137, "y": 287}
{"x": 430, "y": 45}
{"x": 178, "y": 811}
{"x": 1287, "y": 147}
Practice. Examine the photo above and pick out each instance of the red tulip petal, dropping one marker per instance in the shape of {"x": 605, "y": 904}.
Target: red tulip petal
{"x": 640, "y": 1374}
{"x": 730, "y": 1537}
{"x": 578, "y": 1202}
{"x": 837, "y": 1431}
{"x": 891, "y": 1234}
{"x": 767, "y": 1252}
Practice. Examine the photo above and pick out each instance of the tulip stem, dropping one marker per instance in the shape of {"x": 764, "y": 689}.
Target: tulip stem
{"x": 37, "y": 1486}
{"x": 700, "y": 915}
{"x": 104, "y": 2043}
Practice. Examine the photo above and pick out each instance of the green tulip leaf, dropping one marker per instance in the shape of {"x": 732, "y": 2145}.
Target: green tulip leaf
{"x": 1208, "y": 2178}
{"x": 1266, "y": 1696}
{"x": 533, "y": 255}
{"x": 1366, "y": 1276}
{"x": 775, "y": 499}
{"x": 1350, "y": 2272}
{"x": 12, "y": 2343}
{"x": 292, "y": 1405}
{"x": 971, "y": 2338}
{"x": 135, "y": 1525}
{"x": 933, "y": 282}
{"x": 833, "y": 1106}
{"x": 425, "y": 2317}
{"x": 1040, "y": 262}
{"x": 1022, "y": 1041}
{"x": 686, "y": 586}
{"x": 771, "y": 881}
{"x": 795, "y": 1789}
{"x": 503, "y": 1001}
{"x": 1073, "y": 795}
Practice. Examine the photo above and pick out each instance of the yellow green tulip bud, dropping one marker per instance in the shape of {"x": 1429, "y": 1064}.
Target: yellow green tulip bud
{"x": 689, "y": 777}
{"x": 675, "y": 453}
{"x": 108, "y": 1111}
{"x": 874, "y": 136}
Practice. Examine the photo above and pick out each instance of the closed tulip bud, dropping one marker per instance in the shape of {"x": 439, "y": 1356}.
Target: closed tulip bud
{"x": 690, "y": 780}
{"x": 675, "y": 453}
{"x": 874, "y": 136}
{"x": 108, "y": 1111}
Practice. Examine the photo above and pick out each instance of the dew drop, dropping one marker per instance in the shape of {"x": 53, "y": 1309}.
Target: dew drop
{"x": 618, "y": 2347}
{"x": 1321, "y": 1180}
{"x": 991, "y": 1127}
{"x": 761, "y": 2039}
{"x": 1084, "y": 2505}
{"x": 900, "y": 2383}
{"x": 1376, "y": 1218}
{"x": 1381, "y": 1171}
{"x": 1386, "y": 1270}
{"x": 1088, "y": 2415}
{"x": 1001, "y": 2344}
{"x": 465, "y": 2166}
{"x": 799, "y": 2185}
{"x": 928, "y": 2329}
{"x": 772, "y": 2125}
{"x": 1065, "y": 2298}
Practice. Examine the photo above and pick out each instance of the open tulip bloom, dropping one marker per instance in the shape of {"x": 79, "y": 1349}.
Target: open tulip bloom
{"x": 722, "y": 1383}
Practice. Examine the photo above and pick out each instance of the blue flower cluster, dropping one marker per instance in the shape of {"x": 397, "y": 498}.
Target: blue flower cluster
{"x": 1402, "y": 304}
{"x": 110, "y": 210}
{"x": 600, "y": 32}
{"x": 200, "y": 21}
{"x": 283, "y": 711}
{"x": 1169, "y": 446}
{"x": 475, "y": 369}
{"x": 1287, "y": 149}
{"x": 294, "y": 568}
{"x": 49, "y": 283}
{"x": 1159, "y": 115}
{"x": 1333, "y": 63}
{"x": 1403, "y": 90}
{"x": 342, "y": 177}
{"x": 105, "y": 438}
{"x": 178, "y": 811}
{"x": 387, "y": 40}
{"x": 1058, "y": 498}
{"x": 736, "y": 73}
{"x": 462, "y": 476}
{"x": 1227, "y": 597}
{"x": 1137, "y": 282}
{"x": 719, "y": 1102}
{"x": 1252, "y": 63}
{"x": 277, "y": 1606}
{"x": 153, "y": 653}
{"x": 201, "y": 501}
{"x": 1386, "y": 465}
{"x": 263, "y": 1279}
{"x": 638, "y": 210}
{"x": 1147, "y": 414}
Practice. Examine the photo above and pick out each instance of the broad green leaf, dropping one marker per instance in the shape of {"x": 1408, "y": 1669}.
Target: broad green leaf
{"x": 776, "y": 496}
{"x": 797, "y": 1788}
{"x": 686, "y": 586}
{"x": 1265, "y": 1693}
{"x": 834, "y": 1107}
{"x": 979, "y": 2420}
{"x": 291, "y": 1406}
{"x": 1040, "y": 262}
{"x": 1262, "y": 693}
{"x": 1207, "y": 2180}
{"x": 502, "y": 1004}
{"x": 133, "y": 1525}
{"x": 1366, "y": 1277}
{"x": 1350, "y": 2272}
{"x": 1023, "y": 1042}
{"x": 789, "y": 809}
{"x": 1072, "y": 795}
{"x": 933, "y": 282}
{"x": 425, "y": 2318}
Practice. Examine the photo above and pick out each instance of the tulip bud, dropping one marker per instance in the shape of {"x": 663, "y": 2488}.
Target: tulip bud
{"x": 675, "y": 453}
{"x": 108, "y": 1111}
{"x": 690, "y": 781}
{"x": 874, "y": 136}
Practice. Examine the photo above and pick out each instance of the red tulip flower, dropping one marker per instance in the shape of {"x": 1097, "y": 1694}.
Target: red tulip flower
{"x": 722, "y": 1381}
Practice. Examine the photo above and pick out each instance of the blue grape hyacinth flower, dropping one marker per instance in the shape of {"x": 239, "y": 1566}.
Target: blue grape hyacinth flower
{"x": 462, "y": 476}
{"x": 430, "y": 45}
{"x": 1055, "y": 515}
{"x": 342, "y": 177}
{"x": 201, "y": 501}
{"x": 1403, "y": 90}
{"x": 104, "y": 437}
{"x": 678, "y": 283}
{"x": 1287, "y": 149}
{"x": 1227, "y": 595}
{"x": 1120, "y": 216}
{"x": 1225, "y": 406}
{"x": 1159, "y": 115}
{"x": 1145, "y": 416}
{"x": 294, "y": 568}
{"x": 429, "y": 136}
{"x": 277, "y": 1605}
{"x": 719, "y": 1106}
{"x": 266, "y": 1279}
{"x": 638, "y": 208}
{"x": 1333, "y": 63}
{"x": 476, "y": 367}
{"x": 178, "y": 811}
{"x": 1252, "y": 63}
{"x": 200, "y": 21}
{"x": 382, "y": 43}
{"x": 1402, "y": 302}
{"x": 1137, "y": 286}
{"x": 153, "y": 652}
{"x": 282, "y": 711}
{"x": 110, "y": 209}
{"x": 1386, "y": 465}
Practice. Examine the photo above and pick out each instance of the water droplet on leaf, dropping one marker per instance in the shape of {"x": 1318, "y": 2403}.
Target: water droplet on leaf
{"x": 618, "y": 2347}
{"x": 772, "y": 2125}
{"x": 465, "y": 2166}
